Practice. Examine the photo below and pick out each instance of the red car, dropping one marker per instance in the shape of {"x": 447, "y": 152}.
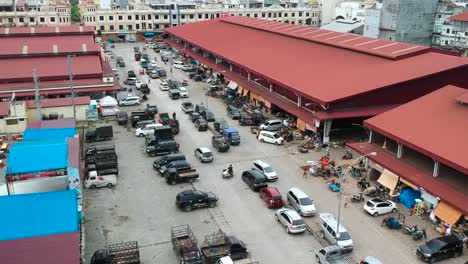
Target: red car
{"x": 272, "y": 197}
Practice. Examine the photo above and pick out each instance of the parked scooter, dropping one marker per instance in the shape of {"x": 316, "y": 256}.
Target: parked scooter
{"x": 363, "y": 184}
{"x": 348, "y": 155}
{"x": 418, "y": 234}
{"x": 228, "y": 173}
{"x": 408, "y": 230}
{"x": 357, "y": 198}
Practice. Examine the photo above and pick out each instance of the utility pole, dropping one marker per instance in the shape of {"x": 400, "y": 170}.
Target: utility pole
{"x": 70, "y": 74}
{"x": 37, "y": 95}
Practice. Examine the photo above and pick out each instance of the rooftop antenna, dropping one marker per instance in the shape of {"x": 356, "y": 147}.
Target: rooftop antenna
{"x": 36, "y": 94}
{"x": 70, "y": 74}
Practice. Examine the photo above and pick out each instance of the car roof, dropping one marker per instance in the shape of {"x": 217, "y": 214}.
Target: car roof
{"x": 376, "y": 200}
{"x": 291, "y": 213}
{"x": 298, "y": 192}
{"x": 182, "y": 88}
{"x": 274, "y": 120}
{"x": 262, "y": 163}
{"x": 267, "y": 132}
{"x": 331, "y": 221}
{"x": 256, "y": 174}
{"x": 372, "y": 260}
{"x": 273, "y": 191}
{"x": 204, "y": 149}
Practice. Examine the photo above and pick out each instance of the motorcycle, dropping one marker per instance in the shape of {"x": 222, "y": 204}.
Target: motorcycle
{"x": 348, "y": 155}
{"x": 391, "y": 222}
{"x": 145, "y": 97}
{"x": 355, "y": 172}
{"x": 228, "y": 173}
{"x": 409, "y": 230}
{"x": 357, "y": 198}
{"x": 363, "y": 184}
{"x": 418, "y": 234}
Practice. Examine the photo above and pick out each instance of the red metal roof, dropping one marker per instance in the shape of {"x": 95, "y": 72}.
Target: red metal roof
{"x": 21, "y": 68}
{"x": 62, "y": 248}
{"x": 46, "y": 30}
{"x": 27, "y": 45}
{"x": 57, "y": 102}
{"x": 43, "y": 84}
{"x": 435, "y": 125}
{"x": 4, "y": 108}
{"x": 74, "y": 152}
{"x": 58, "y": 123}
{"x": 463, "y": 98}
{"x": 322, "y": 72}
{"x": 455, "y": 196}
{"x": 91, "y": 88}
{"x": 460, "y": 17}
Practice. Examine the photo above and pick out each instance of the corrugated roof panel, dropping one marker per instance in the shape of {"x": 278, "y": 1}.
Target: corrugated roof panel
{"x": 48, "y": 133}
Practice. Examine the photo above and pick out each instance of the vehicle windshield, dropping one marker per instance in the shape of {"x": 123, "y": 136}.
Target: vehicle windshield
{"x": 192, "y": 256}
{"x": 305, "y": 201}
{"x": 235, "y": 136}
{"x": 276, "y": 198}
{"x": 435, "y": 244}
{"x": 268, "y": 169}
{"x": 344, "y": 236}
{"x": 207, "y": 154}
{"x": 235, "y": 111}
{"x": 276, "y": 135}
{"x": 298, "y": 222}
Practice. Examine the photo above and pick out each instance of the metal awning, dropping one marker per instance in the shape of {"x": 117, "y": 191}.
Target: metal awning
{"x": 447, "y": 213}
{"x": 388, "y": 179}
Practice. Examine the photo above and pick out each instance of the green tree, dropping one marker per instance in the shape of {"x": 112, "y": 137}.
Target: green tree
{"x": 75, "y": 14}
{"x": 308, "y": 21}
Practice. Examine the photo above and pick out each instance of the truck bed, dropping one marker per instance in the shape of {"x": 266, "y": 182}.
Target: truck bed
{"x": 215, "y": 251}
{"x": 125, "y": 253}
{"x": 190, "y": 173}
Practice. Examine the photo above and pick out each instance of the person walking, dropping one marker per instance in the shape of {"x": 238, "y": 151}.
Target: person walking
{"x": 304, "y": 174}
{"x": 149, "y": 80}
{"x": 174, "y": 115}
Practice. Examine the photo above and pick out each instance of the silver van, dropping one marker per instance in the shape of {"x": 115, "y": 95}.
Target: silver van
{"x": 130, "y": 100}
{"x": 272, "y": 125}
{"x": 328, "y": 228}
{"x": 301, "y": 202}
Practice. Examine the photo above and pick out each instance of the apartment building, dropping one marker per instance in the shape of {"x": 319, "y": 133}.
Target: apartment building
{"x": 154, "y": 17}
{"x": 34, "y": 13}
{"x": 446, "y": 36}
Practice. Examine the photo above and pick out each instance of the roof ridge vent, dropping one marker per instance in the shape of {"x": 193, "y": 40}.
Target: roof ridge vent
{"x": 33, "y": 30}
{"x": 25, "y": 50}
{"x": 55, "y": 48}
{"x": 7, "y": 31}
{"x": 463, "y": 99}
{"x": 84, "y": 48}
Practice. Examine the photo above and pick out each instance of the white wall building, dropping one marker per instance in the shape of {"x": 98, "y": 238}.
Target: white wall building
{"x": 36, "y": 14}
{"x": 353, "y": 10}
{"x": 445, "y": 35}
{"x": 13, "y": 117}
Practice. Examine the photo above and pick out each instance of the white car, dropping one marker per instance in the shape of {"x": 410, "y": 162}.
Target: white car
{"x": 130, "y": 100}
{"x": 138, "y": 84}
{"x": 183, "y": 92}
{"x": 266, "y": 169}
{"x": 378, "y": 206}
{"x": 178, "y": 64}
{"x": 153, "y": 64}
{"x": 148, "y": 129}
{"x": 270, "y": 137}
{"x": 164, "y": 86}
{"x": 291, "y": 220}
{"x": 301, "y": 202}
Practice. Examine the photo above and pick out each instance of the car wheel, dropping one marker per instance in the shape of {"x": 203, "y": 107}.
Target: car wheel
{"x": 287, "y": 230}
{"x": 262, "y": 140}
{"x": 188, "y": 208}
{"x": 276, "y": 143}
{"x": 211, "y": 204}
{"x": 109, "y": 185}
{"x": 276, "y": 217}
{"x": 457, "y": 254}
{"x": 141, "y": 135}
{"x": 432, "y": 260}
{"x": 375, "y": 214}
{"x": 92, "y": 186}
{"x": 289, "y": 201}
{"x": 252, "y": 187}
{"x": 172, "y": 182}
{"x": 317, "y": 259}
{"x": 299, "y": 212}
{"x": 394, "y": 210}
{"x": 322, "y": 234}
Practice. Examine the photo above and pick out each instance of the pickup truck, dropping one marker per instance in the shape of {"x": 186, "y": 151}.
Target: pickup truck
{"x": 215, "y": 247}
{"x": 187, "y": 107}
{"x": 178, "y": 165}
{"x": 185, "y": 245}
{"x": 99, "y": 134}
{"x": 126, "y": 252}
{"x": 334, "y": 255}
{"x": 229, "y": 260}
{"x": 173, "y": 176}
{"x": 93, "y": 149}
{"x": 94, "y": 180}
{"x": 220, "y": 143}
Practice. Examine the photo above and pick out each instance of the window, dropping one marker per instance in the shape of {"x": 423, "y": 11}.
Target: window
{"x": 31, "y": 19}
{"x": 174, "y": 17}
{"x": 120, "y": 18}
{"x": 199, "y": 16}
{"x": 42, "y": 19}
{"x": 137, "y": 17}
{"x": 111, "y": 18}
{"x": 269, "y": 14}
{"x": 285, "y": 14}
{"x": 11, "y": 122}
{"x": 150, "y": 26}
{"x": 120, "y": 27}
{"x": 156, "y": 17}
{"x": 440, "y": 16}
{"x": 300, "y": 14}
{"x": 448, "y": 30}
{"x": 307, "y": 14}
{"x": 101, "y": 18}
{"x": 217, "y": 15}
{"x": 52, "y": 19}
{"x": 102, "y": 28}
{"x": 143, "y": 17}
{"x": 129, "y": 17}
{"x": 149, "y": 17}
{"x": 129, "y": 27}
{"x": 111, "y": 27}
{"x": 10, "y": 20}
{"x": 165, "y": 16}
{"x": 182, "y": 16}
{"x": 248, "y": 15}
{"x": 279, "y": 14}
{"x": 206, "y": 16}
{"x": 191, "y": 16}
{"x": 293, "y": 14}
{"x": 263, "y": 14}
{"x": 137, "y": 26}
{"x": 21, "y": 19}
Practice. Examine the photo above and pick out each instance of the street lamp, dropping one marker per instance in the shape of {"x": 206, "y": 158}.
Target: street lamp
{"x": 341, "y": 175}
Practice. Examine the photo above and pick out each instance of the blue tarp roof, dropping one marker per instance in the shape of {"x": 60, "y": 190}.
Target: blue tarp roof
{"x": 32, "y": 156}
{"x": 38, "y": 214}
{"x": 48, "y": 133}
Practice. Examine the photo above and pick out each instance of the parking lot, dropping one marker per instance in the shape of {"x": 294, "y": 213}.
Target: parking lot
{"x": 141, "y": 207}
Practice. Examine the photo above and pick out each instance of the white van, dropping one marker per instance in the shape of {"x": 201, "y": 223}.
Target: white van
{"x": 130, "y": 100}
{"x": 147, "y": 130}
{"x": 271, "y": 125}
{"x": 177, "y": 64}
{"x": 328, "y": 228}
{"x": 270, "y": 137}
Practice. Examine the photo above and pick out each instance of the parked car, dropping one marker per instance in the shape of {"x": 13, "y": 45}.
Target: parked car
{"x": 440, "y": 248}
{"x": 245, "y": 120}
{"x": 121, "y": 63}
{"x": 208, "y": 115}
{"x": 162, "y": 72}
{"x": 272, "y": 125}
{"x": 162, "y": 148}
{"x": 198, "y": 78}
{"x": 122, "y": 117}
{"x": 194, "y": 116}
{"x": 199, "y": 108}
{"x": 154, "y": 74}
{"x": 204, "y": 154}
{"x": 301, "y": 202}
{"x": 190, "y": 199}
{"x": 233, "y": 112}
{"x": 187, "y": 107}
{"x": 167, "y": 159}
{"x": 270, "y": 137}
{"x": 174, "y": 94}
{"x": 220, "y": 143}
{"x": 328, "y": 230}
{"x": 254, "y": 179}
{"x": 147, "y": 130}
{"x": 272, "y": 197}
{"x": 138, "y": 84}
{"x": 377, "y": 206}
{"x": 174, "y": 84}
{"x": 130, "y": 81}
{"x": 266, "y": 169}
{"x": 201, "y": 124}
{"x": 131, "y": 74}
{"x": 144, "y": 123}
{"x": 164, "y": 86}
{"x": 291, "y": 220}
{"x": 186, "y": 68}
{"x": 370, "y": 260}
{"x": 145, "y": 89}
{"x": 183, "y": 92}
{"x": 130, "y": 100}
{"x": 177, "y": 64}
{"x": 152, "y": 109}
{"x": 178, "y": 165}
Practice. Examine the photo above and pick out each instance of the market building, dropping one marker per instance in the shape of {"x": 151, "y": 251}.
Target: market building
{"x": 421, "y": 146}
{"x": 46, "y": 50}
{"x": 56, "y": 108}
{"x": 328, "y": 81}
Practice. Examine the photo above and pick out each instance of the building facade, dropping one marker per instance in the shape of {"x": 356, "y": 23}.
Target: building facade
{"x": 34, "y": 13}
{"x": 353, "y": 10}
{"x": 156, "y": 17}
{"x": 445, "y": 35}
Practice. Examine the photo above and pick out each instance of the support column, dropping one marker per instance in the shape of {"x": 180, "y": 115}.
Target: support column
{"x": 400, "y": 151}
{"x": 216, "y": 60}
{"x": 204, "y": 54}
{"x": 326, "y": 130}
{"x": 230, "y": 67}
{"x": 371, "y": 134}
{"x": 435, "y": 172}
{"x": 248, "y": 76}
{"x": 271, "y": 87}
{"x": 299, "y": 101}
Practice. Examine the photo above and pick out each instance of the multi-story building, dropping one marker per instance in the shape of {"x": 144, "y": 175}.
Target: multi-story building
{"x": 34, "y": 13}
{"x": 157, "y": 15}
{"x": 353, "y": 10}
{"x": 445, "y": 36}
{"x": 460, "y": 29}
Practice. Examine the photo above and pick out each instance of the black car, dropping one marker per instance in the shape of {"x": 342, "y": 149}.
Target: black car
{"x": 174, "y": 84}
{"x": 208, "y": 115}
{"x": 198, "y": 78}
{"x": 194, "y": 116}
{"x": 179, "y": 165}
{"x": 167, "y": 159}
{"x": 201, "y": 124}
{"x": 131, "y": 74}
{"x": 162, "y": 148}
{"x": 162, "y": 72}
{"x": 233, "y": 112}
{"x": 254, "y": 179}
{"x": 152, "y": 109}
{"x": 440, "y": 248}
{"x": 245, "y": 120}
{"x": 190, "y": 199}
{"x": 145, "y": 89}
{"x": 220, "y": 143}
{"x": 199, "y": 108}
{"x": 122, "y": 118}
